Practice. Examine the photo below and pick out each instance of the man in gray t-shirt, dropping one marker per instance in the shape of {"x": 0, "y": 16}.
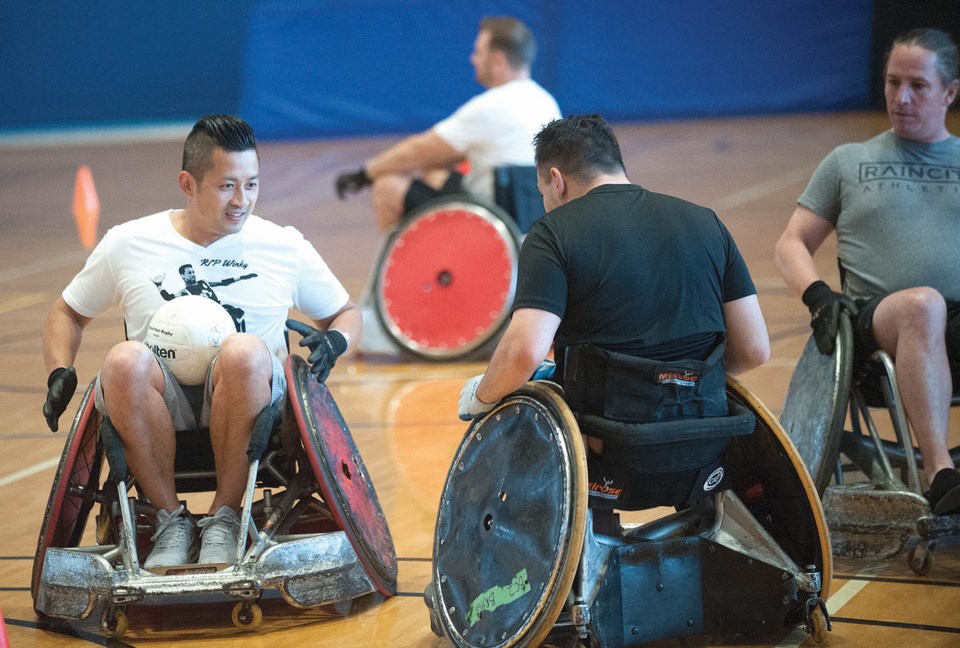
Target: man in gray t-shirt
{"x": 894, "y": 203}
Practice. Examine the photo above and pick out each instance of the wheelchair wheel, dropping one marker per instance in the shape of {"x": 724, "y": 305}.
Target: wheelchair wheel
{"x": 816, "y": 404}
{"x": 342, "y": 478}
{"x": 74, "y": 487}
{"x": 511, "y": 523}
{"x": 769, "y": 476}
{"x": 446, "y": 278}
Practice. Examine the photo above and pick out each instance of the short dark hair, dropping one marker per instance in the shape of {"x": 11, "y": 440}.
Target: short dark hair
{"x": 513, "y": 38}
{"x": 581, "y": 146}
{"x": 226, "y": 132}
{"x": 936, "y": 41}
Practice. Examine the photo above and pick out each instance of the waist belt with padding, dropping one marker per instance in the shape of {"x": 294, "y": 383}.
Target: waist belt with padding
{"x": 653, "y": 416}
{"x": 631, "y": 389}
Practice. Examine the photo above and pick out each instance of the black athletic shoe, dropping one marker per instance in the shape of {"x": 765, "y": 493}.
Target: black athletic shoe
{"x": 944, "y": 493}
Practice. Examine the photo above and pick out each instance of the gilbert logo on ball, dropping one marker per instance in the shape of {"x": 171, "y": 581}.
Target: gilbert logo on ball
{"x": 187, "y": 333}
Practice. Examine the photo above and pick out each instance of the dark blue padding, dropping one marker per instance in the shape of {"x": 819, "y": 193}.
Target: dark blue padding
{"x": 315, "y": 69}
{"x": 308, "y": 68}
{"x": 515, "y": 190}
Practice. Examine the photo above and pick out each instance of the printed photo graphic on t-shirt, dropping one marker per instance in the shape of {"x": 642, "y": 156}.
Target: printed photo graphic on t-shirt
{"x": 194, "y": 286}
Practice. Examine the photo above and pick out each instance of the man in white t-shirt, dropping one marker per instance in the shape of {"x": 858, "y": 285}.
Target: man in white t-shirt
{"x": 495, "y": 128}
{"x": 134, "y": 267}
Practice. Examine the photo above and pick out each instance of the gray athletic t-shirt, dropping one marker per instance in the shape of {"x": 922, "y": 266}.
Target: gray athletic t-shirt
{"x": 895, "y": 204}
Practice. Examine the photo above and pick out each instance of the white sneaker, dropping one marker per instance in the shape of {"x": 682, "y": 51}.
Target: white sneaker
{"x": 218, "y": 537}
{"x": 175, "y": 542}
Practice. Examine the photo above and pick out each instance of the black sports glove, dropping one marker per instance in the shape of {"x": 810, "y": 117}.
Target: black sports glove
{"x": 825, "y": 307}
{"x": 61, "y": 385}
{"x": 325, "y": 347}
{"x": 352, "y": 182}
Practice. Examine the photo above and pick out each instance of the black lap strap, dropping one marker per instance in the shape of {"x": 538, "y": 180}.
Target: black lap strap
{"x": 738, "y": 421}
{"x": 667, "y": 446}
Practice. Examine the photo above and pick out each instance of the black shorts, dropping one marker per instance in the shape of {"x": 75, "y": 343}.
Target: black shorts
{"x": 865, "y": 345}
{"x": 420, "y": 192}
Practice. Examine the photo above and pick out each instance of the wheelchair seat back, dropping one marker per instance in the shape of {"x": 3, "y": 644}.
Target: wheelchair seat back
{"x": 664, "y": 425}
{"x": 515, "y": 191}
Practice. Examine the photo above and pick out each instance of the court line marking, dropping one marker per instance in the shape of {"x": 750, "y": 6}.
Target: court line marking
{"x": 19, "y": 302}
{"x": 839, "y": 598}
{"x": 28, "y": 471}
{"x": 21, "y": 272}
{"x": 762, "y": 189}
{"x": 843, "y": 595}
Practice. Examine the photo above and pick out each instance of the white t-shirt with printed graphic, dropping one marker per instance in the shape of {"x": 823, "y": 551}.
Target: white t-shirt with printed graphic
{"x": 257, "y": 274}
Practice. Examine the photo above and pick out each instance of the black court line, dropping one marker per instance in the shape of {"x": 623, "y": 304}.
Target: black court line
{"x": 16, "y": 557}
{"x": 896, "y": 624}
{"x": 898, "y": 581}
{"x": 68, "y": 631}
{"x": 415, "y": 559}
{"x": 14, "y": 589}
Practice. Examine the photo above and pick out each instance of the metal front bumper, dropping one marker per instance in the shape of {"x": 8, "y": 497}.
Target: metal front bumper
{"x": 308, "y": 571}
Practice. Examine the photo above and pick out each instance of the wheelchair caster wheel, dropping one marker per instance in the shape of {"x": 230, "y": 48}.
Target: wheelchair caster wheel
{"x": 920, "y": 559}
{"x": 818, "y": 626}
{"x": 247, "y": 616}
{"x": 114, "y": 622}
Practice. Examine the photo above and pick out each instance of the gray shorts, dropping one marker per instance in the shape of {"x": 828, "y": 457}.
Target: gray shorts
{"x": 189, "y": 405}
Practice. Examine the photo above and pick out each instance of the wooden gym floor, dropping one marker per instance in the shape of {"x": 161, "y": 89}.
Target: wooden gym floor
{"x": 402, "y": 414}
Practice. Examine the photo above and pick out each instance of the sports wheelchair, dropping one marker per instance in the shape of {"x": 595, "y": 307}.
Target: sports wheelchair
{"x": 519, "y": 556}
{"x": 444, "y": 279}
{"x": 315, "y": 531}
{"x": 883, "y": 512}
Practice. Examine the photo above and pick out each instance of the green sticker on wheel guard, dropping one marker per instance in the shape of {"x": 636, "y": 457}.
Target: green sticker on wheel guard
{"x": 498, "y": 596}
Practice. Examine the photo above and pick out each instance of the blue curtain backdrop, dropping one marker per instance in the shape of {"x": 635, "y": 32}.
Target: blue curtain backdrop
{"x": 324, "y": 68}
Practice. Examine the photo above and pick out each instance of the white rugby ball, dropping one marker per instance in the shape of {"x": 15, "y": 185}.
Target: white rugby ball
{"x": 186, "y": 333}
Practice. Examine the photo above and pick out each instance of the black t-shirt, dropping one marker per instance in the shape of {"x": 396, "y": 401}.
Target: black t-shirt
{"x": 634, "y": 272}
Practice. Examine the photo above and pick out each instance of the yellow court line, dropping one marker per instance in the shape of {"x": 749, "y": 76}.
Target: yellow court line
{"x": 24, "y": 300}
{"x": 30, "y": 470}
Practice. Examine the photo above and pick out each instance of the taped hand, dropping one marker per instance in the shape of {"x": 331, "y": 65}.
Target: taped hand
{"x": 61, "y": 385}
{"x": 352, "y": 182}
{"x": 325, "y": 347}
{"x": 825, "y": 307}
{"x": 470, "y": 406}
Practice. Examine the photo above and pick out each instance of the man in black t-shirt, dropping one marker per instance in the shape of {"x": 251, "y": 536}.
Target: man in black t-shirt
{"x": 618, "y": 267}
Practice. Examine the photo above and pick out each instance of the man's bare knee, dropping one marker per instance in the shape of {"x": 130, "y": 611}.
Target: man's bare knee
{"x": 916, "y": 312}
{"x": 129, "y": 366}
{"x": 243, "y": 357}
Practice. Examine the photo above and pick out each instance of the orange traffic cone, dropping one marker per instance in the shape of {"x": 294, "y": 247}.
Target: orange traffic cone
{"x": 4, "y": 642}
{"x": 86, "y": 207}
